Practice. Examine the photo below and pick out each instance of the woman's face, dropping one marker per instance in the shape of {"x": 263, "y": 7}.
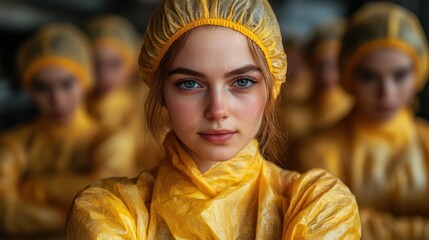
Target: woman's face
{"x": 215, "y": 94}
{"x": 57, "y": 93}
{"x": 111, "y": 70}
{"x": 384, "y": 83}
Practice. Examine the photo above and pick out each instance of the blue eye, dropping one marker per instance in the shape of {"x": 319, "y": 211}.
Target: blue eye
{"x": 244, "y": 83}
{"x": 188, "y": 84}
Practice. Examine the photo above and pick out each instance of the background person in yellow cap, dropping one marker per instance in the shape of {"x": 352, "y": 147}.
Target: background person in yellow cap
{"x": 328, "y": 102}
{"x": 215, "y": 69}
{"x": 117, "y": 102}
{"x": 45, "y": 163}
{"x": 294, "y": 114}
{"x": 381, "y": 151}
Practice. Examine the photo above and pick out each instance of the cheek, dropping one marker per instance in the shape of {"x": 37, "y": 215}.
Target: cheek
{"x": 183, "y": 111}
{"x": 409, "y": 90}
{"x": 365, "y": 95}
{"x": 78, "y": 95}
{"x": 42, "y": 101}
{"x": 74, "y": 96}
{"x": 250, "y": 109}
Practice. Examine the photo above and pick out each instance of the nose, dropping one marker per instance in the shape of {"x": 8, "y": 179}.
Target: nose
{"x": 387, "y": 89}
{"x": 217, "y": 107}
{"x": 57, "y": 98}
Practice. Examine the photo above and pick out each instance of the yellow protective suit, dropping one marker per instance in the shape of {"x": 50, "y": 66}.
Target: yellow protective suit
{"x": 121, "y": 111}
{"x": 385, "y": 165}
{"x": 245, "y": 197}
{"x": 44, "y": 164}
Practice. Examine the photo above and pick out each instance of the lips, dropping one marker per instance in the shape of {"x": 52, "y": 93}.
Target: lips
{"x": 217, "y": 136}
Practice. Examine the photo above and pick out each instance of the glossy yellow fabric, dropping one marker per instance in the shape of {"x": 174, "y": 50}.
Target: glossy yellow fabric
{"x": 386, "y": 166}
{"x": 380, "y": 25}
{"x": 253, "y": 18}
{"x": 116, "y": 32}
{"x": 245, "y": 197}
{"x": 43, "y": 165}
{"x": 61, "y": 45}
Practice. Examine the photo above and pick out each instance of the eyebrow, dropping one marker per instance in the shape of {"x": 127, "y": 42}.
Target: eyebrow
{"x": 242, "y": 70}
{"x": 238, "y": 71}
{"x": 186, "y": 71}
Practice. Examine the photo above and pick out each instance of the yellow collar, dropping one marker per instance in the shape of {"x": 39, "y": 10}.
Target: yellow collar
{"x": 397, "y": 131}
{"x": 222, "y": 175}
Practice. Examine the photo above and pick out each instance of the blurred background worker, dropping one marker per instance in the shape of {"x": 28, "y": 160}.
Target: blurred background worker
{"x": 329, "y": 102}
{"x": 323, "y": 102}
{"x": 381, "y": 150}
{"x": 118, "y": 96}
{"x": 294, "y": 113}
{"x": 44, "y": 164}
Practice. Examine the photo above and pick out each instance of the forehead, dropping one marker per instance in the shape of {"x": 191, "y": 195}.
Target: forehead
{"x": 52, "y": 74}
{"x": 386, "y": 59}
{"x": 213, "y": 47}
{"x": 106, "y": 52}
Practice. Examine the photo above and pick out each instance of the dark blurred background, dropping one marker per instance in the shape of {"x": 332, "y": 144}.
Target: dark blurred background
{"x": 20, "y": 18}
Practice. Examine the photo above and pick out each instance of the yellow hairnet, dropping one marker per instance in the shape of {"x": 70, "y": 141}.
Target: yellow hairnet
{"x": 61, "y": 45}
{"x": 327, "y": 33}
{"x": 253, "y": 18}
{"x": 379, "y": 25}
{"x": 117, "y": 32}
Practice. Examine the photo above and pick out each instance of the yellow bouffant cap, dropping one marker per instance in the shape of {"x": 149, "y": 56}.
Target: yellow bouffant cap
{"x": 383, "y": 25}
{"x": 253, "y": 18}
{"x": 61, "y": 45}
{"x": 117, "y": 32}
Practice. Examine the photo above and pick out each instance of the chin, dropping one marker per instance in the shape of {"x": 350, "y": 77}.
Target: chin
{"x": 104, "y": 89}
{"x": 62, "y": 120}
{"x": 220, "y": 155}
{"x": 61, "y": 117}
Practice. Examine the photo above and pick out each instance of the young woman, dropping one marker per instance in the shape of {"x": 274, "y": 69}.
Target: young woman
{"x": 381, "y": 151}
{"x": 45, "y": 163}
{"x": 214, "y": 71}
{"x": 115, "y": 96}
